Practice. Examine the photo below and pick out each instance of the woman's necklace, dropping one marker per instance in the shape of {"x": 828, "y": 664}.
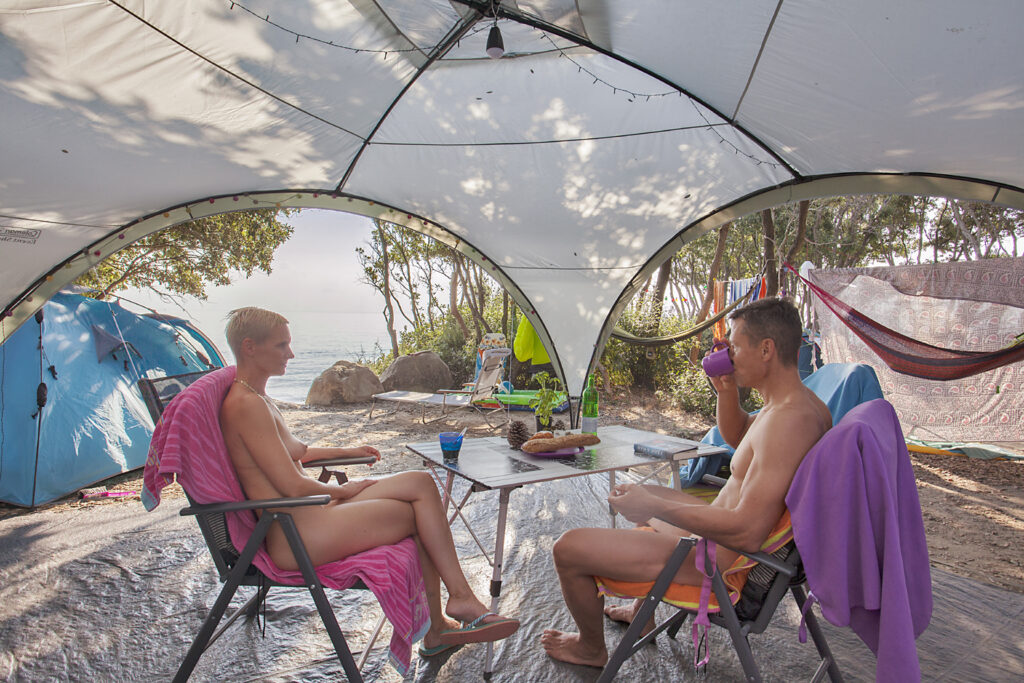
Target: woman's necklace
{"x": 249, "y": 387}
{"x": 265, "y": 398}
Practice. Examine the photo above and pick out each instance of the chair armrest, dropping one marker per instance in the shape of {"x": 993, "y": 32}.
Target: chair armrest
{"x": 210, "y": 508}
{"x": 764, "y": 558}
{"x": 340, "y": 462}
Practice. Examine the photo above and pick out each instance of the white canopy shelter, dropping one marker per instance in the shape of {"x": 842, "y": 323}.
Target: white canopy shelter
{"x": 610, "y": 133}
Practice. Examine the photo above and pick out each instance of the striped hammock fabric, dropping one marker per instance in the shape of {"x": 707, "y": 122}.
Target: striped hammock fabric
{"x": 909, "y": 356}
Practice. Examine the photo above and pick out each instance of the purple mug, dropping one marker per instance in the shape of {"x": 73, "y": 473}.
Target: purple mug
{"x": 717, "y": 362}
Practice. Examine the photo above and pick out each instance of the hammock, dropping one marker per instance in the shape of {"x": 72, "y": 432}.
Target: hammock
{"x": 909, "y": 356}
{"x": 622, "y": 335}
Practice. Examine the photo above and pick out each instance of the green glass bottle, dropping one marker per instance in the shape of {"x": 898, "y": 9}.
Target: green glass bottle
{"x": 588, "y": 408}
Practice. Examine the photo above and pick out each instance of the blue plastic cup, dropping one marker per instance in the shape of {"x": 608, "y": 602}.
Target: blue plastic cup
{"x": 451, "y": 444}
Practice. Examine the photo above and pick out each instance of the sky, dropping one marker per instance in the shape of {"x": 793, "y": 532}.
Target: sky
{"x": 316, "y": 270}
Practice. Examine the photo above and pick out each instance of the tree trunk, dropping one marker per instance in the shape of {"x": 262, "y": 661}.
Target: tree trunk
{"x": 504, "y": 316}
{"x": 770, "y": 259}
{"x": 389, "y": 314}
{"x": 453, "y": 298}
{"x": 467, "y": 296}
{"x": 716, "y": 263}
{"x": 801, "y": 236}
{"x": 658, "y": 299}
{"x": 481, "y": 306}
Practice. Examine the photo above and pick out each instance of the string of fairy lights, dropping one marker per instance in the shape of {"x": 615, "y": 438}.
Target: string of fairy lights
{"x": 329, "y": 43}
{"x": 616, "y": 89}
{"x": 631, "y": 95}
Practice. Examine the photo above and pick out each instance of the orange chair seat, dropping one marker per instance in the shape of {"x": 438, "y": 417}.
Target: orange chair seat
{"x": 688, "y": 597}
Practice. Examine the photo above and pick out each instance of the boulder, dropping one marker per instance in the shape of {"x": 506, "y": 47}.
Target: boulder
{"x": 420, "y": 371}
{"x": 343, "y": 382}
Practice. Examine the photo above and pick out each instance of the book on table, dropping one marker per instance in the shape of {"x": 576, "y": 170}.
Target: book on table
{"x": 666, "y": 448}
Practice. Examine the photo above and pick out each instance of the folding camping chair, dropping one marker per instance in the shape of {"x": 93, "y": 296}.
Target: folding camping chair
{"x": 237, "y": 568}
{"x": 743, "y": 601}
{"x": 487, "y": 380}
{"x": 745, "y": 608}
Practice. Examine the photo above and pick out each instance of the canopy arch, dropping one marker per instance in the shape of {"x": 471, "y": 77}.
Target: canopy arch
{"x": 810, "y": 188}
{"x": 610, "y": 130}
{"x": 81, "y": 262}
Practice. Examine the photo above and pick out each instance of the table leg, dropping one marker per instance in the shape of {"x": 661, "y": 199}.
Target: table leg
{"x": 499, "y": 558}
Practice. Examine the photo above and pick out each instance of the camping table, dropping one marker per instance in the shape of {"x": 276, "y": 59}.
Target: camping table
{"x": 490, "y": 464}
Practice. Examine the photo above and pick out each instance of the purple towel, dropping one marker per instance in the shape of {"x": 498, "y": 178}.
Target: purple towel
{"x": 857, "y": 524}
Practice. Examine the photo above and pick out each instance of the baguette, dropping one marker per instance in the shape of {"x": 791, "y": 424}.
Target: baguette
{"x": 557, "y": 443}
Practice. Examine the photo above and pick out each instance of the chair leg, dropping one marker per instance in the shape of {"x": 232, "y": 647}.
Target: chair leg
{"x": 631, "y": 640}
{"x": 732, "y": 623}
{"x": 202, "y": 638}
{"x": 373, "y": 639}
{"x": 323, "y": 605}
{"x": 818, "y": 636}
{"x": 677, "y": 623}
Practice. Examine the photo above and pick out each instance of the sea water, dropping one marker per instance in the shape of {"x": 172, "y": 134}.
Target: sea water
{"x": 319, "y": 340}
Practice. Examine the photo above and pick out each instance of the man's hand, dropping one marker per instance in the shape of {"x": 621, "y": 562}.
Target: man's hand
{"x": 722, "y": 383}
{"x": 352, "y": 488}
{"x": 634, "y": 502}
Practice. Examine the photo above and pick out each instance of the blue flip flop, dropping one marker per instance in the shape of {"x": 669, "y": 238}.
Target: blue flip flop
{"x": 428, "y": 652}
{"x": 479, "y": 632}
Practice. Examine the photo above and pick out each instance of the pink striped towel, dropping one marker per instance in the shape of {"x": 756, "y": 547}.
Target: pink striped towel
{"x": 188, "y": 444}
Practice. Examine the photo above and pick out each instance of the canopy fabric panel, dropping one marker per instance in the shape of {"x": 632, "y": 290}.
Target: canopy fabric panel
{"x": 609, "y": 127}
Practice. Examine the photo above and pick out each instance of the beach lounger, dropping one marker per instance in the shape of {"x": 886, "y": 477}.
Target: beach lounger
{"x": 470, "y": 396}
{"x": 188, "y": 447}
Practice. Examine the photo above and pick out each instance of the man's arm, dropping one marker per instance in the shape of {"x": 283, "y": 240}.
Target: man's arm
{"x": 733, "y": 421}
{"x": 779, "y": 445}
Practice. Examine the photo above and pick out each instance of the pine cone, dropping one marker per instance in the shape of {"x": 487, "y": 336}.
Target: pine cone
{"x": 518, "y": 434}
{"x": 558, "y": 426}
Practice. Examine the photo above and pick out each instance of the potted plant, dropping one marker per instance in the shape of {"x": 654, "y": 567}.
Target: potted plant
{"x": 547, "y": 398}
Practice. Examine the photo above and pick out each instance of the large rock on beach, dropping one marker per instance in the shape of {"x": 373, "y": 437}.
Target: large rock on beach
{"x": 343, "y": 382}
{"x": 420, "y": 371}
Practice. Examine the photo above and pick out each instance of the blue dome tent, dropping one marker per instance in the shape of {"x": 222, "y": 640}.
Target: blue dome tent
{"x": 70, "y": 409}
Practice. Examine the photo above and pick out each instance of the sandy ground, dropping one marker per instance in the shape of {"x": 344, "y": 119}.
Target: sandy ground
{"x": 973, "y": 510}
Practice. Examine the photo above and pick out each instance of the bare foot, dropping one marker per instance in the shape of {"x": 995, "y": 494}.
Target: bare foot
{"x": 624, "y": 614}
{"x": 567, "y": 647}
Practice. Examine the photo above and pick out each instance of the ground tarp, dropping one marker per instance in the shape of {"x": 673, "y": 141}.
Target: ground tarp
{"x": 110, "y": 592}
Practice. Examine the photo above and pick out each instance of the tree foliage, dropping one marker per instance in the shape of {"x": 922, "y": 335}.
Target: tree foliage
{"x": 184, "y": 259}
{"x": 447, "y": 302}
